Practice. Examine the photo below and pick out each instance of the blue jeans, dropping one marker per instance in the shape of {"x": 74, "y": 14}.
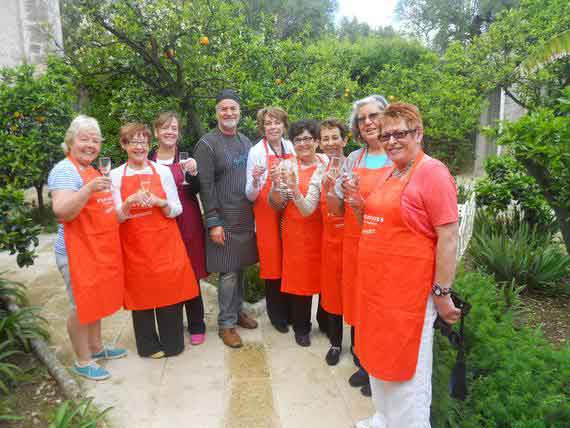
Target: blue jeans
{"x": 230, "y": 298}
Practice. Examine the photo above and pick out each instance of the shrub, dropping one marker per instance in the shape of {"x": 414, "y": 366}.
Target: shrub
{"x": 516, "y": 378}
{"x": 18, "y": 234}
{"x": 254, "y": 287}
{"x": 508, "y": 183}
{"x": 512, "y": 250}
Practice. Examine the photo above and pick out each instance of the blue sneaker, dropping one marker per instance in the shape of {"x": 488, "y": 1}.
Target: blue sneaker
{"x": 109, "y": 354}
{"x": 92, "y": 371}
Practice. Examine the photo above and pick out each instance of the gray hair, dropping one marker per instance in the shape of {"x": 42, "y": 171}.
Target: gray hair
{"x": 379, "y": 100}
{"x": 80, "y": 123}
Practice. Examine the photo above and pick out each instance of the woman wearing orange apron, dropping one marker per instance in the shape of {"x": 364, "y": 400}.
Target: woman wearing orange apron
{"x": 262, "y": 164}
{"x": 158, "y": 274}
{"x": 363, "y": 166}
{"x": 406, "y": 252}
{"x": 332, "y": 140}
{"x": 88, "y": 246}
{"x": 302, "y": 227}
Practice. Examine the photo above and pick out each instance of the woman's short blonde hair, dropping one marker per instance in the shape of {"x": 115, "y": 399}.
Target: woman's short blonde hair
{"x": 275, "y": 112}
{"x": 409, "y": 113}
{"x": 80, "y": 123}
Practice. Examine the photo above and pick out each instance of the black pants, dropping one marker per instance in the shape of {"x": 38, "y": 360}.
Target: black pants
{"x": 335, "y": 329}
{"x": 301, "y": 313}
{"x": 195, "y": 314}
{"x": 277, "y": 302}
{"x": 170, "y": 337}
{"x": 354, "y": 356}
{"x": 322, "y": 318}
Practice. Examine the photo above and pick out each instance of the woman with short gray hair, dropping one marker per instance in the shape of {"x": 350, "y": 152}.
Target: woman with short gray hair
{"x": 87, "y": 248}
{"x": 363, "y": 166}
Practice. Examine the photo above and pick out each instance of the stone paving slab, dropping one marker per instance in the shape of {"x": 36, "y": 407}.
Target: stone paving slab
{"x": 269, "y": 383}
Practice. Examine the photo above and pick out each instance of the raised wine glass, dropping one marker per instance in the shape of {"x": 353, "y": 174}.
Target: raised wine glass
{"x": 182, "y": 156}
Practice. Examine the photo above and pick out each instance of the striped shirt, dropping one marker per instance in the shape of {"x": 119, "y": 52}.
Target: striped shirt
{"x": 63, "y": 176}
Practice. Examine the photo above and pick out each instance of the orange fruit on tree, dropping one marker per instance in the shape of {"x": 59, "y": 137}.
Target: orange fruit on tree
{"x": 204, "y": 41}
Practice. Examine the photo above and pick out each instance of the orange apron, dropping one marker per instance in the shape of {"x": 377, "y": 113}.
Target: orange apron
{"x": 331, "y": 256}
{"x": 157, "y": 268}
{"x": 368, "y": 179}
{"x": 302, "y": 245}
{"x": 395, "y": 275}
{"x": 267, "y": 225}
{"x": 94, "y": 253}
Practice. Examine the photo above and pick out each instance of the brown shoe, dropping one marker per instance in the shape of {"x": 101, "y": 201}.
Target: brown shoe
{"x": 246, "y": 321}
{"x": 230, "y": 337}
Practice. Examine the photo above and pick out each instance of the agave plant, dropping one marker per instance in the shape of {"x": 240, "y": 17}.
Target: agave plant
{"x": 77, "y": 415}
{"x": 12, "y": 290}
{"x": 8, "y": 371}
{"x": 22, "y": 326}
{"x": 516, "y": 253}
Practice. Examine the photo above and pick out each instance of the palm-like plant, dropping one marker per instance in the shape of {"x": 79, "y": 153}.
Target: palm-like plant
{"x": 77, "y": 415}
{"x": 553, "y": 49}
{"x": 8, "y": 371}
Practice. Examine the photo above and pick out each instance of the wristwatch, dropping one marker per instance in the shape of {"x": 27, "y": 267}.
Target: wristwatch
{"x": 438, "y": 290}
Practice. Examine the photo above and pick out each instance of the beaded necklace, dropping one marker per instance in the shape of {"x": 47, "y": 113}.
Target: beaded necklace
{"x": 397, "y": 173}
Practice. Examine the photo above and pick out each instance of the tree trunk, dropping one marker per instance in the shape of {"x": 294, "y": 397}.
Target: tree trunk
{"x": 39, "y": 191}
{"x": 194, "y": 129}
{"x": 562, "y": 214}
{"x": 563, "y": 217}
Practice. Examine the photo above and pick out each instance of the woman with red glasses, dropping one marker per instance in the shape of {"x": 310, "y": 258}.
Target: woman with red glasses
{"x": 406, "y": 265}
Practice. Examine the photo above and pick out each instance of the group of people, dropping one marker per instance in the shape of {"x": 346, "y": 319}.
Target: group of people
{"x": 373, "y": 234}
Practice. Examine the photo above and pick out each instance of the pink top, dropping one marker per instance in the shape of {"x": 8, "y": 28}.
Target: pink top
{"x": 430, "y": 198}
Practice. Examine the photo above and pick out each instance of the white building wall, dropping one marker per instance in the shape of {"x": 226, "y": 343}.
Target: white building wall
{"x": 29, "y": 30}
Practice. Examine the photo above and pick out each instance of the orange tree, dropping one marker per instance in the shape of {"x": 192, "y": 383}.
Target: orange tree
{"x": 37, "y": 108}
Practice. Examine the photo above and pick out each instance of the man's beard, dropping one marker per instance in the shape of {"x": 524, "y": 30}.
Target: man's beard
{"x": 229, "y": 123}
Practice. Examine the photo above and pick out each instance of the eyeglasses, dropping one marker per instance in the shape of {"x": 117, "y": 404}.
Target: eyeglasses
{"x": 303, "y": 140}
{"x": 398, "y": 135}
{"x": 372, "y": 117}
{"x": 142, "y": 143}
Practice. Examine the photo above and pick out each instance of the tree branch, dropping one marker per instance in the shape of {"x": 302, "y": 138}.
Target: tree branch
{"x": 151, "y": 59}
{"x": 514, "y": 98}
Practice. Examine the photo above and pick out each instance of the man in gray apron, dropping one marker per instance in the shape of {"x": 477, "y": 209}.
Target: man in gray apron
{"x": 221, "y": 155}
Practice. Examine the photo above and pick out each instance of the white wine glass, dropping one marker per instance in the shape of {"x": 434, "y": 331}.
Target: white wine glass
{"x": 354, "y": 180}
{"x": 105, "y": 165}
{"x": 334, "y": 167}
{"x": 145, "y": 185}
{"x": 182, "y": 156}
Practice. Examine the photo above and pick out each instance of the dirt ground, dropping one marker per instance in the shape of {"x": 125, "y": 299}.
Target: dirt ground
{"x": 550, "y": 314}
{"x": 34, "y": 398}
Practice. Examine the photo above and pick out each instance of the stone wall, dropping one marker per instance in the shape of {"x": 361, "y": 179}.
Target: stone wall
{"x": 29, "y": 30}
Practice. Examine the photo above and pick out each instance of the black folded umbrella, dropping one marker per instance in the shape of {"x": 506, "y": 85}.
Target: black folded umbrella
{"x": 458, "y": 380}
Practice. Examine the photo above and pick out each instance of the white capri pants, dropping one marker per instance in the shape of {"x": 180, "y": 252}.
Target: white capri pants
{"x": 407, "y": 404}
